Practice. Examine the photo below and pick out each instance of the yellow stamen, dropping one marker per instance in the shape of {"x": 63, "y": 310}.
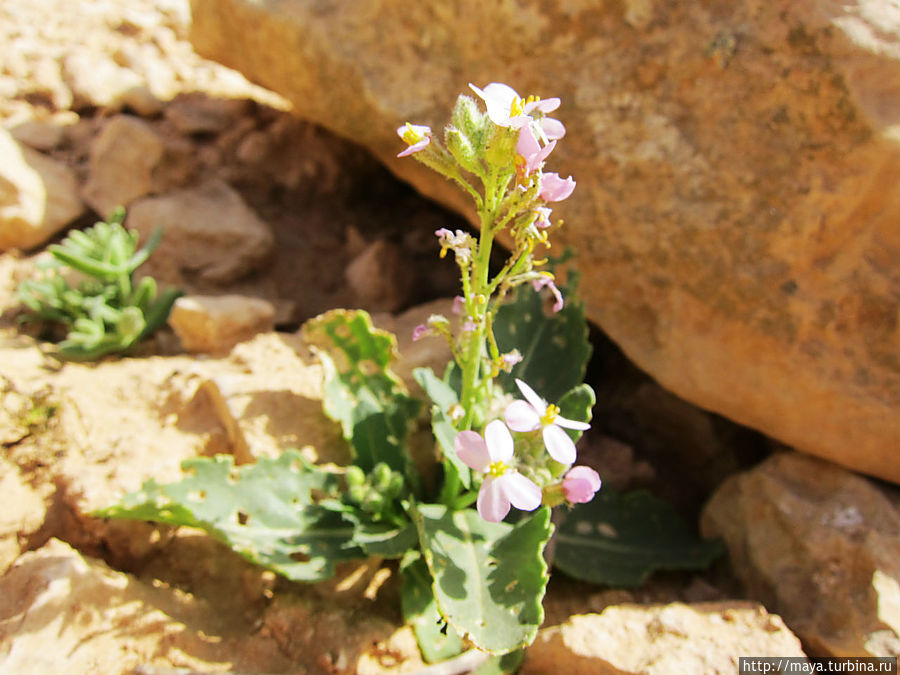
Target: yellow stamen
{"x": 497, "y": 469}
{"x": 517, "y": 107}
{"x": 549, "y": 417}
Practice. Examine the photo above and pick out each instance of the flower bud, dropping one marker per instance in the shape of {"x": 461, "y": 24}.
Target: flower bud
{"x": 381, "y": 476}
{"x": 462, "y": 149}
{"x": 354, "y": 476}
{"x": 394, "y": 486}
{"x": 468, "y": 119}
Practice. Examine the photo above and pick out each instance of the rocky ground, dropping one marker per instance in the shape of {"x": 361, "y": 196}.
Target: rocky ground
{"x": 270, "y": 220}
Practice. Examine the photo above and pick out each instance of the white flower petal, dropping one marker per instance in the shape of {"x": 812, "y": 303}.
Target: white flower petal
{"x": 499, "y": 441}
{"x": 521, "y": 491}
{"x": 472, "y": 450}
{"x": 571, "y": 424}
{"x": 539, "y": 404}
{"x": 492, "y": 504}
{"x": 559, "y": 445}
{"x": 521, "y": 416}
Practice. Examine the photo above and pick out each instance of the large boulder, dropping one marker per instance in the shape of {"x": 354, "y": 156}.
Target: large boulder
{"x": 736, "y": 216}
{"x": 820, "y": 546}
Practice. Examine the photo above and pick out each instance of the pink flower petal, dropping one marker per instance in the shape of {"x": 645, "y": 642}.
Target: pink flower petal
{"x": 539, "y": 404}
{"x": 492, "y": 504}
{"x": 571, "y": 424}
{"x": 499, "y": 441}
{"x": 585, "y": 473}
{"x": 553, "y": 129}
{"x": 554, "y": 188}
{"x": 580, "y": 484}
{"x": 414, "y": 148}
{"x": 521, "y": 416}
{"x": 559, "y": 445}
{"x": 547, "y": 282}
{"x": 545, "y": 105}
{"x": 519, "y": 490}
{"x": 472, "y": 450}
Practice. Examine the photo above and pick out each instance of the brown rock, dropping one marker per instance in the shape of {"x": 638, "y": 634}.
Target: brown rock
{"x": 381, "y": 277}
{"x": 735, "y": 216}
{"x": 660, "y": 640}
{"x": 209, "y": 232}
{"x": 130, "y": 160}
{"x": 820, "y": 546}
{"x": 214, "y": 324}
{"x": 38, "y": 195}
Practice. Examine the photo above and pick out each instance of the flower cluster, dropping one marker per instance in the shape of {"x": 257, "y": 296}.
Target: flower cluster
{"x": 497, "y": 157}
{"x": 493, "y": 455}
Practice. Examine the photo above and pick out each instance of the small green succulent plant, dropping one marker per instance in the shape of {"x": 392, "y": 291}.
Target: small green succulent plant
{"x": 97, "y": 300}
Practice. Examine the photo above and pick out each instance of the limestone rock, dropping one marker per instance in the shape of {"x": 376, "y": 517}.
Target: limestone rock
{"x": 660, "y": 640}
{"x": 820, "y": 546}
{"x": 130, "y": 160}
{"x": 22, "y": 516}
{"x": 97, "y": 81}
{"x": 735, "y": 218}
{"x": 215, "y": 324}
{"x": 102, "y": 621}
{"x": 208, "y": 232}
{"x": 38, "y": 195}
{"x": 269, "y": 398}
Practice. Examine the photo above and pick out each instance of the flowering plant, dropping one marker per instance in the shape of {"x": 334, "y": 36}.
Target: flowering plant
{"x": 506, "y": 415}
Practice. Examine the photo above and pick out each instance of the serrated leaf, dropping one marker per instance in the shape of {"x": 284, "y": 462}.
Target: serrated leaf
{"x": 437, "y": 639}
{"x": 361, "y": 392}
{"x": 554, "y": 347}
{"x": 489, "y": 578}
{"x": 266, "y": 512}
{"x": 619, "y": 540}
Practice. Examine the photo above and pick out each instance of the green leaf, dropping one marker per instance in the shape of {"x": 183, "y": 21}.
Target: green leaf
{"x": 500, "y": 665}
{"x": 384, "y": 539}
{"x": 554, "y": 347}
{"x": 619, "y": 540}
{"x": 437, "y": 639}
{"x": 266, "y": 512}
{"x": 361, "y": 392}
{"x": 443, "y": 397}
{"x": 489, "y": 578}
{"x": 577, "y": 405}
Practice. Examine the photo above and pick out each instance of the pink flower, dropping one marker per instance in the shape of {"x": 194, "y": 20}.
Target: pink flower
{"x": 580, "y": 483}
{"x": 502, "y": 485}
{"x": 543, "y": 217}
{"x": 459, "y": 304}
{"x": 507, "y": 109}
{"x": 416, "y": 135}
{"x": 530, "y": 149}
{"x": 504, "y": 106}
{"x": 420, "y": 331}
{"x": 554, "y": 188}
{"x": 534, "y": 413}
{"x": 547, "y": 282}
